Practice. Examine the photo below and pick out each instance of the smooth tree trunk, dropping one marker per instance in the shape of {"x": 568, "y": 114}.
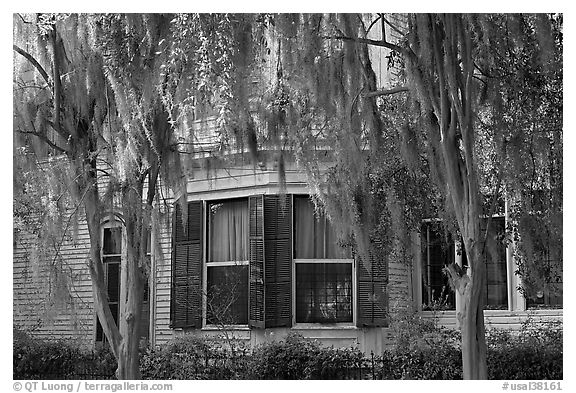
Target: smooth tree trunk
{"x": 130, "y": 318}
{"x": 472, "y": 318}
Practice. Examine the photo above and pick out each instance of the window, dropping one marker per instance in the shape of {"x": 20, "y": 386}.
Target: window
{"x": 438, "y": 250}
{"x": 496, "y": 272}
{"x": 542, "y": 272}
{"x": 323, "y": 269}
{"x": 112, "y": 252}
{"x": 548, "y": 297}
{"x": 545, "y": 293}
{"x": 227, "y": 263}
{"x": 267, "y": 261}
{"x": 112, "y": 259}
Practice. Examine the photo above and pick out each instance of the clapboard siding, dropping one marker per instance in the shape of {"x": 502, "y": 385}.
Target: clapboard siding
{"x": 499, "y": 319}
{"x": 399, "y": 288}
{"x": 163, "y": 277}
{"x": 71, "y": 318}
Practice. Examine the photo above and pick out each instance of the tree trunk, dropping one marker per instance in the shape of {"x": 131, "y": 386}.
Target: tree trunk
{"x": 130, "y": 316}
{"x": 132, "y": 280}
{"x": 472, "y": 320}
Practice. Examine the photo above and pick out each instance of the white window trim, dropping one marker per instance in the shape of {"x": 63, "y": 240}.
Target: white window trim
{"x": 227, "y": 263}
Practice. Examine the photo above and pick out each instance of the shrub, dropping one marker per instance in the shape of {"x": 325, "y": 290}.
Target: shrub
{"x": 422, "y": 350}
{"x": 191, "y": 357}
{"x": 535, "y": 352}
{"x": 39, "y": 359}
{"x": 298, "y": 358}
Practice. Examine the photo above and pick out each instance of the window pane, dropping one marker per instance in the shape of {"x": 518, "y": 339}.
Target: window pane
{"x": 314, "y": 236}
{"x": 549, "y": 297}
{"x": 148, "y": 241}
{"x": 495, "y": 259}
{"x": 113, "y": 281}
{"x": 228, "y": 223}
{"x": 437, "y": 252}
{"x": 112, "y": 240}
{"x": 323, "y": 292}
{"x": 308, "y": 242}
{"x": 227, "y": 300}
{"x": 333, "y": 250}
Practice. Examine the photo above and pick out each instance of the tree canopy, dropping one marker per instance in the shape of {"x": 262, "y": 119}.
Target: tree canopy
{"x": 471, "y": 116}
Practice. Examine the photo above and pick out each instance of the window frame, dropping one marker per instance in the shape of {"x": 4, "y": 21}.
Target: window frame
{"x": 110, "y": 223}
{"x": 206, "y": 263}
{"x": 512, "y": 293}
{"x": 114, "y": 221}
{"x": 425, "y": 265}
{"x": 350, "y": 261}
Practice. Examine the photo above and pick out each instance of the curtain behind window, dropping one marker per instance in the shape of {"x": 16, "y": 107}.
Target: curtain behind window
{"x": 315, "y": 237}
{"x": 229, "y": 231}
{"x": 309, "y": 239}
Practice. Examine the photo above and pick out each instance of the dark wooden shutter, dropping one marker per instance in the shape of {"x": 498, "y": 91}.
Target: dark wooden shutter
{"x": 256, "y": 275}
{"x": 278, "y": 260}
{"x": 372, "y": 290}
{"x": 186, "y": 290}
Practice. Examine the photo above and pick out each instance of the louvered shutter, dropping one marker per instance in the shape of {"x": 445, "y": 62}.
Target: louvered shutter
{"x": 186, "y": 295}
{"x": 256, "y": 275}
{"x": 372, "y": 290}
{"x": 278, "y": 260}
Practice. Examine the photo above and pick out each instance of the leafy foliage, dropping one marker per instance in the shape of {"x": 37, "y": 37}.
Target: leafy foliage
{"x": 522, "y": 72}
{"x": 36, "y": 359}
{"x": 534, "y": 352}
{"x": 190, "y": 357}
{"x": 297, "y": 358}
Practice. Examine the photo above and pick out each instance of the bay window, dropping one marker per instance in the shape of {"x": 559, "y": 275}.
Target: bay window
{"x": 267, "y": 261}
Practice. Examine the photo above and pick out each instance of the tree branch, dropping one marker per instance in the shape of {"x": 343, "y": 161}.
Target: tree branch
{"x": 458, "y": 277}
{"x": 373, "y": 23}
{"x": 387, "y": 92}
{"x": 368, "y": 41}
{"x": 63, "y": 134}
{"x": 56, "y": 78}
{"x": 397, "y": 30}
{"x": 45, "y": 139}
{"x": 34, "y": 62}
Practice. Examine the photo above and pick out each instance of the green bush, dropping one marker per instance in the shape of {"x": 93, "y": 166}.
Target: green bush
{"x": 39, "y": 359}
